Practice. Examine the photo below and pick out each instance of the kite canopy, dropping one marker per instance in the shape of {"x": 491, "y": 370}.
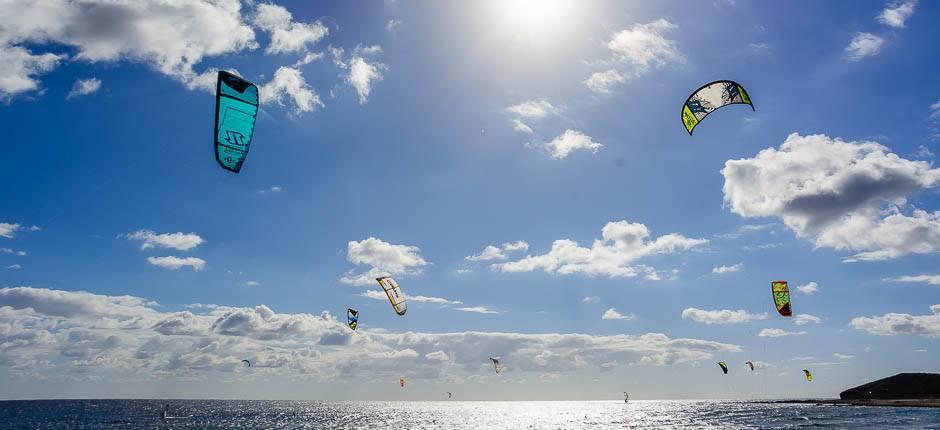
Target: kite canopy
{"x": 723, "y": 366}
{"x": 496, "y": 366}
{"x": 750, "y": 364}
{"x": 781, "y": 297}
{"x": 395, "y": 296}
{"x": 352, "y": 318}
{"x": 449, "y": 395}
{"x": 236, "y": 105}
{"x": 247, "y": 362}
{"x": 809, "y": 376}
{"x": 709, "y": 98}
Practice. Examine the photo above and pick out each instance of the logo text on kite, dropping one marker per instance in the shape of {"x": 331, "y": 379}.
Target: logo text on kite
{"x": 234, "y": 137}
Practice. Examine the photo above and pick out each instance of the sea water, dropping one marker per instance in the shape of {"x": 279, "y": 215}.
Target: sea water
{"x": 237, "y": 414}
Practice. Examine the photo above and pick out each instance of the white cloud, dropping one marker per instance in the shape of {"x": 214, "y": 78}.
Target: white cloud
{"x": 478, "y": 310}
{"x": 521, "y": 126}
{"x": 379, "y": 295}
{"x": 492, "y": 252}
{"x": 843, "y": 356}
{"x": 289, "y": 83}
{"x": 20, "y": 67}
{"x": 844, "y": 195}
{"x": 179, "y": 240}
{"x": 392, "y": 23}
{"x": 362, "y": 74}
{"x": 252, "y": 283}
{"x": 641, "y": 47}
{"x": 108, "y": 31}
{"x": 893, "y": 323}
{"x": 602, "y": 82}
{"x": 273, "y": 189}
{"x": 564, "y": 144}
{"x": 863, "y": 45}
{"x": 8, "y": 230}
{"x": 591, "y": 299}
{"x": 745, "y": 230}
{"x": 14, "y": 267}
{"x": 897, "y": 13}
{"x": 84, "y": 87}
{"x": 720, "y": 270}
{"x": 533, "y": 109}
{"x": 926, "y": 279}
{"x": 437, "y": 356}
{"x": 723, "y": 316}
{"x": 621, "y": 244}
{"x": 803, "y": 319}
{"x": 125, "y": 338}
{"x": 384, "y": 259}
{"x": 612, "y": 314}
{"x": 173, "y": 263}
{"x": 287, "y": 35}
{"x": 808, "y": 289}
{"x": 644, "y": 45}
{"x": 776, "y": 332}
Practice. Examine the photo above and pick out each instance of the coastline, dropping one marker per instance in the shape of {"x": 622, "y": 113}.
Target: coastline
{"x": 897, "y": 403}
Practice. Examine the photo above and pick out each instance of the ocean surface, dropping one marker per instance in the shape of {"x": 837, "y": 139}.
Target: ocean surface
{"x": 231, "y": 414}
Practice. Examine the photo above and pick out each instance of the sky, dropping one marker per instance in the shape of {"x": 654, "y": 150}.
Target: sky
{"x": 520, "y": 167}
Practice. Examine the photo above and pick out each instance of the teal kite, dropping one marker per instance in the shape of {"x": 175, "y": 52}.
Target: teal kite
{"x": 236, "y": 106}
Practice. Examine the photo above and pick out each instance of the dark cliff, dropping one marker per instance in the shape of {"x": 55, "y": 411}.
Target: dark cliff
{"x": 900, "y": 386}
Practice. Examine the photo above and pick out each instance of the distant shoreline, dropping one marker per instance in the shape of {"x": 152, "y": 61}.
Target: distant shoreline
{"x": 897, "y": 403}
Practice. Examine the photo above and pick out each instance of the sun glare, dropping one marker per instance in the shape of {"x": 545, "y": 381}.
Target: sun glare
{"x": 536, "y": 18}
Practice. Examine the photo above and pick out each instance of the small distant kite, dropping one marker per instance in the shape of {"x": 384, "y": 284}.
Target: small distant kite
{"x": 750, "y": 364}
{"x": 236, "y": 106}
{"x": 248, "y": 363}
{"x": 781, "y": 297}
{"x": 401, "y": 381}
{"x": 352, "y": 318}
{"x": 809, "y": 376}
{"x": 723, "y": 366}
{"x": 496, "y": 366}
{"x": 709, "y": 98}
{"x": 395, "y": 296}
{"x": 449, "y": 395}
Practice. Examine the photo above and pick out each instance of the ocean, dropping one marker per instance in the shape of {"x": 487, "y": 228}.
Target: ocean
{"x": 239, "y": 414}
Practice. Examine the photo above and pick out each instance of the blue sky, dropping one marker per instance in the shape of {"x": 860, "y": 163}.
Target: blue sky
{"x": 405, "y": 138}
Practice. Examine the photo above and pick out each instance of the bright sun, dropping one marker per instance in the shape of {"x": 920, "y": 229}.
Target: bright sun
{"x": 535, "y": 17}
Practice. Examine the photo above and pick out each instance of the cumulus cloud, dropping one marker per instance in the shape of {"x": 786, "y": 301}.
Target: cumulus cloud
{"x": 179, "y": 240}
{"x": 124, "y": 338}
{"x": 361, "y": 73}
{"x": 803, "y": 319}
{"x": 612, "y": 314}
{"x": 776, "y": 332}
{"x": 84, "y": 87}
{"x": 287, "y": 35}
{"x": 723, "y": 316}
{"x": 493, "y": 252}
{"x": 863, "y": 45}
{"x": 383, "y": 258}
{"x": 602, "y": 82}
{"x": 8, "y": 230}
{"x": 289, "y": 83}
{"x": 173, "y": 263}
{"x": 843, "y": 195}
{"x": 923, "y": 279}
{"x": 521, "y": 127}
{"x": 891, "y": 324}
{"x": 808, "y": 289}
{"x": 640, "y": 48}
{"x": 721, "y": 270}
{"x": 107, "y": 31}
{"x": 569, "y": 141}
{"x": 897, "y": 13}
{"x": 621, "y": 244}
